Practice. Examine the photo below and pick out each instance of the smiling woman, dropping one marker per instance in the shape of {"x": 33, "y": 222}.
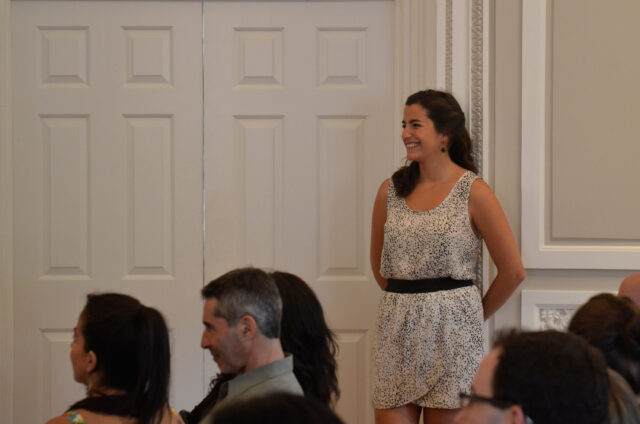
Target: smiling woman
{"x": 428, "y": 223}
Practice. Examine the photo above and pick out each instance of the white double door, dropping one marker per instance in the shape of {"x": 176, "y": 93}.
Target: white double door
{"x": 120, "y": 140}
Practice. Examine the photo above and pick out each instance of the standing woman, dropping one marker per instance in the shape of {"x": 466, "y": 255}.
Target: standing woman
{"x": 428, "y": 223}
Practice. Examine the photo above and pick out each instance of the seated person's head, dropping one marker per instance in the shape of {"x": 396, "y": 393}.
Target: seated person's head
{"x": 121, "y": 353}
{"x": 630, "y": 287}
{"x": 612, "y": 325}
{"x": 541, "y": 377}
{"x": 242, "y": 309}
{"x": 305, "y": 334}
{"x": 276, "y": 408}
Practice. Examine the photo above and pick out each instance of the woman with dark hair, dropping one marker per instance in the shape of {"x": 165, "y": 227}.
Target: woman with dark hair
{"x": 612, "y": 325}
{"x": 120, "y": 352}
{"x": 428, "y": 223}
{"x": 306, "y": 336}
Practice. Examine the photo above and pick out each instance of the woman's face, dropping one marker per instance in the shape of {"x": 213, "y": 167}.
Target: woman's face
{"x": 419, "y": 134}
{"x": 80, "y": 357}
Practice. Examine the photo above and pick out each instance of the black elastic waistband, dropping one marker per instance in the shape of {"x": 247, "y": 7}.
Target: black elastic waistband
{"x": 426, "y": 285}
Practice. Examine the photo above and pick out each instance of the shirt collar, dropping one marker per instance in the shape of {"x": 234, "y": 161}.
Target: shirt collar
{"x": 249, "y": 379}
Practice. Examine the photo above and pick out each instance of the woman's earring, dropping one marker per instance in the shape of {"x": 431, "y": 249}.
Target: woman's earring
{"x": 442, "y": 149}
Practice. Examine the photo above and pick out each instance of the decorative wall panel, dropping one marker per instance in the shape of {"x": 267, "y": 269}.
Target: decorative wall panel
{"x": 340, "y": 196}
{"x": 149, "y": 58}
{"x": 259, "y": 171}
{"x": 66, "y": 196}
{"x": 593, "y": 121}
{"x": 342, "y": 57}
{"x": 258, "y": 57}
{"x": 64, "y": 56}
{"x": 150, "y": 189}
{"x": 556, "y": 232}
{"x": 551, "y": 309}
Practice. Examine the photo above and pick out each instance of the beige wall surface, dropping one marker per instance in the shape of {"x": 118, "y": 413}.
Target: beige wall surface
{"x": 506, "y": 124}
{"x": 595, "y": 98}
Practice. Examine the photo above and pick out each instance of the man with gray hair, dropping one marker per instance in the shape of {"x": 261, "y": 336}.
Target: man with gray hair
{"x": 242, "y": 313}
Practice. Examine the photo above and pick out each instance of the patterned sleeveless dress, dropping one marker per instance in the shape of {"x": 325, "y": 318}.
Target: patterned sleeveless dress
{"x": 428, "y": 346}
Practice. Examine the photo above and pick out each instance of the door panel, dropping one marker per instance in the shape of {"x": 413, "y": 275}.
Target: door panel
{"x": 298, "y": 138}
{"x": 108, "y": 181}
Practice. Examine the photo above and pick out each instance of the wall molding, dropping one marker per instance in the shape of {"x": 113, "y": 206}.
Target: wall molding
{"x": 537, "y": 250}
{"x": 551, "y": 309}
{"x": 6, "y": 216}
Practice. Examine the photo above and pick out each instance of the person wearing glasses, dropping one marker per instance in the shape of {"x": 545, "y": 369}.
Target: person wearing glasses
{"x": 538, "y": 377}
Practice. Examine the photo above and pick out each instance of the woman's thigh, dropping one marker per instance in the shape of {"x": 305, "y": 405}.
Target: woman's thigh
{"x": 406, "y": 414}
{"x": 439, "y": 416}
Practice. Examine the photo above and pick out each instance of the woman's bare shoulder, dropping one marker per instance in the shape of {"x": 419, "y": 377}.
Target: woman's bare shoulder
{"x": 174, "y": 417}
{"x": 62, "y": 419}
{"x": 480, "y": 191}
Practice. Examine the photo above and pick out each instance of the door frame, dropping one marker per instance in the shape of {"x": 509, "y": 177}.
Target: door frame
{"x": 438, "y": 43}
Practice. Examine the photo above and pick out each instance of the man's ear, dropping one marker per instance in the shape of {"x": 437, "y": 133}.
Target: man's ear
{"x": 516, "y": 415}
{"x": 248, "y": 327}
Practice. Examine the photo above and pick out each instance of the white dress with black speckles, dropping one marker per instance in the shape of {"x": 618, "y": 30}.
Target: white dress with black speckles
{"x": 428, "y": 346}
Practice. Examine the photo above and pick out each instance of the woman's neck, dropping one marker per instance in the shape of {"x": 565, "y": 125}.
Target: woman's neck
{"x": 438, "y": 169}
{"x": 99, "y": 391}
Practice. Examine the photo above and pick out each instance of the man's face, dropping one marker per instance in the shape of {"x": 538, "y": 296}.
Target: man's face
{"x": 477, "y": 412}
{"x": 223, "y": 341}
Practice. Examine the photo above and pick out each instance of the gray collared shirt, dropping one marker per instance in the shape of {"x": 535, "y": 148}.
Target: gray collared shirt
{"x": 271, "y": 378}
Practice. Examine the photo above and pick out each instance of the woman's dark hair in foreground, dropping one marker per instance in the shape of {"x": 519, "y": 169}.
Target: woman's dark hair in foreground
{"x": 612, "y": 325}
{"x": 448, "y": 119}
{"x": 276, "y": 408}
{"x": 131, "y": 344}
{"x": 305, "y": 335}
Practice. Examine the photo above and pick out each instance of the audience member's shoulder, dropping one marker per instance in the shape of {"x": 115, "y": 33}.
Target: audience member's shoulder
{"x": 62, "y": 419}
{"x": 174, "y": 417}
{"x": 71, "y": 416}
{"x": 285, "y": 382}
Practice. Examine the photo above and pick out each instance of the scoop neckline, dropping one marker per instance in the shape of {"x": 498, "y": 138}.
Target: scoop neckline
{"x": 404, "y": 199}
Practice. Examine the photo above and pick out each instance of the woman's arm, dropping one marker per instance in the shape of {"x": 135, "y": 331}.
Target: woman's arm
{"x": 377, "y": 232}
{"x": 488, "y": 219}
